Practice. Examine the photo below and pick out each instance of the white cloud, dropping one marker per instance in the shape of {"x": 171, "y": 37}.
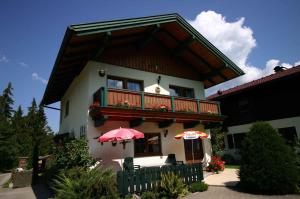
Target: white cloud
{"x": 236, "y": 41}
{"x": 297, "y": 63}
{"x": 35, "y": 76}
{"x": 3, "y": 58}
{"x": 23, "y": 64}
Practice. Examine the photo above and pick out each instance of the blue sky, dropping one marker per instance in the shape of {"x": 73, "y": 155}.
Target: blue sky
{"x": 260, "y": 34}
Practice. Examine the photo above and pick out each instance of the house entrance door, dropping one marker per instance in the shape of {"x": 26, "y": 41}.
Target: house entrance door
{"x": 198, "y": 150}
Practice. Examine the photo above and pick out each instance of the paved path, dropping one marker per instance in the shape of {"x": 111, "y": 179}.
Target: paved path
{"x": 35, "y": 192}
{"x": 4, "y": 177}
{"x": 228, "y": 177}
{"x": 218, "y": 192}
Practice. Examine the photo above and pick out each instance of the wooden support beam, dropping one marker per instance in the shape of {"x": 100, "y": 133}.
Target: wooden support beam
{"x": 100, "y": 121}
{"x": 51, "y": 107}
{"x": 183, "y": 45}
{"x": 213, "y": 73}
{"x": 99, "y": 51}
{"x": 149, "y": 37}
{"x": 166, "y": 123}
{"x": 191, "y": 124}
{"x": 199, "y": 58}
{"x": 136, "y": 122}
{"x": 210, "y": 125}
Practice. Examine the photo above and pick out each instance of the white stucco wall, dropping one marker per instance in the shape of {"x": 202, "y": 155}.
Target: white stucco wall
{"x": 112, "y": 155}
{"x": 80, "y": 96}
{"x": 150, "y": 79}
{"x": 279, "y": 123}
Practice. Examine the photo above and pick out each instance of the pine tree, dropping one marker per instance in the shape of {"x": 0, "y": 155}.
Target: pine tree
{"x": 8, "y": 151}
{"x": 23, "y": 140}
{"x": 7, "y": 102}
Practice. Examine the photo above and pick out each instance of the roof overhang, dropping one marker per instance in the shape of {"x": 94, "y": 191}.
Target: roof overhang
{"x": 86, "y": 42}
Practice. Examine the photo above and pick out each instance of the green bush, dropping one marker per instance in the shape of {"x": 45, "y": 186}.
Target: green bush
{"x": 172, "y": 186}
{"x": 79, "y": 183}
{"x": 198, "y": 187}
{"x": 229, "y": 159}
{"x": 73, "y": 154}
{"x": 268, "y": 165}
{"x": 149, "y": 195}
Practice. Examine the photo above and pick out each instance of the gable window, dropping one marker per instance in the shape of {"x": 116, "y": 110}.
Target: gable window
{"x": 124, "y": 83}
{"x": 67, "y": 108}
{"x": 150, "y": 145}
{"x": 181, "y": 91}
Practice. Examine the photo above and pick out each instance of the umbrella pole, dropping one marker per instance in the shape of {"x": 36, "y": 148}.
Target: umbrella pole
{"x": 193, "y": 149}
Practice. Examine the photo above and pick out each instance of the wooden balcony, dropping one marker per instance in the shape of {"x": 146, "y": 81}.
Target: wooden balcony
{"x": 137, "y": 107}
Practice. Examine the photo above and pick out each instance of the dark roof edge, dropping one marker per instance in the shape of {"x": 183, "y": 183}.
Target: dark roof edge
{"x": 66, "y": 38}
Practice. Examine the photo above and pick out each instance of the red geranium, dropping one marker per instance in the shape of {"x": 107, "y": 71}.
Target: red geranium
{"x": 216, "y": 164}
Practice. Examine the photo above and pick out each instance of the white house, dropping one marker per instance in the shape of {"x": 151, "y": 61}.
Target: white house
{"x": 119, "y": 73}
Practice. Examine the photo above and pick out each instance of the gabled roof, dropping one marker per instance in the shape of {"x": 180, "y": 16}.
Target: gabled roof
{"x": 255, "y": 83}
{"x": 84, "y": 42}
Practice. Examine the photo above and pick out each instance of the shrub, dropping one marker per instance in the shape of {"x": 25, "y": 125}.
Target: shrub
{"x": 229, "y": 159}
{"x": 267, "y": 163}
{"x": 216, "y": 164}
{"x": 80, "y": 183}
{"x": 172, "y": 186}
{"x": 73, "y": 154}
{"x": 149, "y": 195}
{"x": 198, "y": 187}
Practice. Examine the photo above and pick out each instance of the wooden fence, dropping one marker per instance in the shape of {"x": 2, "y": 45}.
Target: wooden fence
{"x": 148, "y": 178}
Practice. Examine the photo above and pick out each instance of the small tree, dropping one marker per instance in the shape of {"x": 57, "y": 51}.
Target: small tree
{"x": 268, "y": 165}
{"x": 217, "y": 140}
{"x": 73, "y": 154}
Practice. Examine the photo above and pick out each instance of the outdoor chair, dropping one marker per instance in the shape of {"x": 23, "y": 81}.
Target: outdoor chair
{"x": 129, "y": 166}
{"x": 171, "y": 159}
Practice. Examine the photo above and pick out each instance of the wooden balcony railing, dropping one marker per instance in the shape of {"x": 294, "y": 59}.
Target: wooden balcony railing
{"x": 147, "y": 101}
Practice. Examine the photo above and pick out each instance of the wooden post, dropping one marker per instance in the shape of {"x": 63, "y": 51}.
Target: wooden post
{"x": 143, "y": 100}
{"x": 198, "y": 106}
{"x": 172, "y": 104}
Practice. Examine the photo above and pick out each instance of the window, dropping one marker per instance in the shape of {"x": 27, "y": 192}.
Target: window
{"x": 82, "y": 131}
{"x": 181, "y": 91}
{"x": 148, "y": 146}
{"x": 289, "y": 134}
{"x": 124, "y": 83}
{"x": 67, "y": 108}
{"x": 230, "y": 141}
{"x": 235, "y": 141}
{"x": 239, "y": 139}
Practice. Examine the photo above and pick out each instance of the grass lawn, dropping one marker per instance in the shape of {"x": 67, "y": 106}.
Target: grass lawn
{"x": 231, "y": 166}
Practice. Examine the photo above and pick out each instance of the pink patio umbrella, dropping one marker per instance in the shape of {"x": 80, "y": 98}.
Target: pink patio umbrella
{"x": 191, "y": 135}
{"x": 121, "y": 134}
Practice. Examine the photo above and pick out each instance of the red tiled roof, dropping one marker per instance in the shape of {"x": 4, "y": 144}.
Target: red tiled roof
{"x": 254, "y": 83}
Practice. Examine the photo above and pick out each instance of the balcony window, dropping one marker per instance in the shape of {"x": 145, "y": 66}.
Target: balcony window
{"x": 150, "y": 145}
{"x": 124, "y": 83}
{"x": 181, "y": 91}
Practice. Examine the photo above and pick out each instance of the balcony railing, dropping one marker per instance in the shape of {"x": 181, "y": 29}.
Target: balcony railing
{"x": 148, "y": 101}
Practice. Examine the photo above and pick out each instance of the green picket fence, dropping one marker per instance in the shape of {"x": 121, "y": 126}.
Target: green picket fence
{"x": 148, "y": 178}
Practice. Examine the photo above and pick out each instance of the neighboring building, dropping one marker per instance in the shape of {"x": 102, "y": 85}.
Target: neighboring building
{"x": 274, "y": 98}
{"x": 118, "y": 73}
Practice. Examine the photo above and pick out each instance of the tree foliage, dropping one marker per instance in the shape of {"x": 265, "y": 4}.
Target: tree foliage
{"x": 268, "y": 165}
{"x": 73, "y": 154}
{"x": 81, "y": 183}
{"x": 217, "y": 140}
{"x": 22, "y": 135}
